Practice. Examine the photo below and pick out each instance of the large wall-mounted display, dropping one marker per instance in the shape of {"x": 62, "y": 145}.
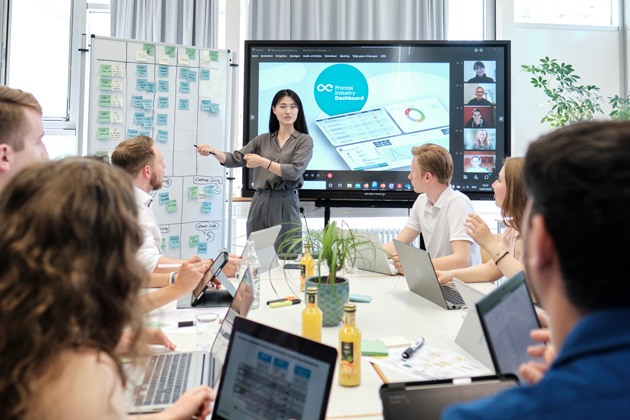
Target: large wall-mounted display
{"x": 368, "y": 103}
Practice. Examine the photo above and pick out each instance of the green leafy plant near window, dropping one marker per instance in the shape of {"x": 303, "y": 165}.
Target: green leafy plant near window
{"x": 569, "y": 101}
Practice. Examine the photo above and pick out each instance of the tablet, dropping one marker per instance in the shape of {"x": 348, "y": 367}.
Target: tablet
{"x": 215, "y": 268}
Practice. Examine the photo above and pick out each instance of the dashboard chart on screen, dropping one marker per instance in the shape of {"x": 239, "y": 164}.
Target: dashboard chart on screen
{"x": 367, "y": 104}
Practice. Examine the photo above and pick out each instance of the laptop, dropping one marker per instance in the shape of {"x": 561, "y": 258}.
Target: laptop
{"x": 422, "y": 280}
{"x": 202, "y": 296}
{"x": 372, "y": 258}
{"x": 272, "y": 374}
{"x": 507, "y": 316}
{"x": 264, "y": 241}
{"x": 167, "y": 376}
{"x": 470, "y": 336}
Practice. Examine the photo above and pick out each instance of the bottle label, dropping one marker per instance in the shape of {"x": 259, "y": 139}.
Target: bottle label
{"x": 311, "y": 299}
{"x": 347, "y": 358}
{"x": 302, "y": 273}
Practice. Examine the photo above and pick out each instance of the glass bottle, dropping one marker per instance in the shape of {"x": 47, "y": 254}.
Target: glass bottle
{"x": 250, "y": 259}
{"x": 349, "y": 349}
{"x": 312, "y": 317}
{"x": 307, "y": 266}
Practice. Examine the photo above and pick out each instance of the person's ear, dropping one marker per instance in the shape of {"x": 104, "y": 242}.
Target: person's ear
{"x": 146, "y": 172}
{"x": 5, "y": 152}
{"x": 541, "y": 250}
{"x": 428, "y": 177}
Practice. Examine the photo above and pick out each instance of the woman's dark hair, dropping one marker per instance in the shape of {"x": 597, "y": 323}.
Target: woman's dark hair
{"x": 300, "y": 122}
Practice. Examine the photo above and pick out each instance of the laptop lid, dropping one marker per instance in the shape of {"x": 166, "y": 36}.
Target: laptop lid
{"x": 272, "y": 374}
{"x": 371, "y": 258}
{"x": 507, "y": 316}
{"x": 263, "y": 242}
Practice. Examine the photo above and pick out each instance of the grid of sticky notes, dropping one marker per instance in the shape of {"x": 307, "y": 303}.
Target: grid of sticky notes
{"x": 111, "y": 101}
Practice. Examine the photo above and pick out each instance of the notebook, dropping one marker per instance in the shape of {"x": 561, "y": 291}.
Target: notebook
{"x": 422, "y": 280}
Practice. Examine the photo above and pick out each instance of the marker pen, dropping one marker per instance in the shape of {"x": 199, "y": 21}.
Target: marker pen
{"x": 411, "y": 350}
{"x": 285, "y": 303}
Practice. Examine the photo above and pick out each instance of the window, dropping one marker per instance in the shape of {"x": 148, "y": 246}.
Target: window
{"x": 567, "y": 12}
{"x": 466, "y": 19}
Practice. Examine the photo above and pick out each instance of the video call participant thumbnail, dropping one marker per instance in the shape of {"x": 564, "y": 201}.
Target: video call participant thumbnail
{"x": 475, "y": 162}
{"x": 479, "y": 97}
{"x": 480, "y": 71}
{"x": 481, "y": 139}
{"x": 478, "y": 120}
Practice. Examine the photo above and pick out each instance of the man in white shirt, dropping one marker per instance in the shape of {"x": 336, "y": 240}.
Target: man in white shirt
{"x": 439, "y": 213}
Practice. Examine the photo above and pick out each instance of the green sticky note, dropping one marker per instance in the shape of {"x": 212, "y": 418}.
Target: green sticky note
{"x": 373, "y": 348}
{"x": 103, "y": 117}
{"x": 155, "y": 324}
{"x": 163, "y": 244}
{"x": 171, "y": 206}
{"x": 191, "y": 53}
{"x": 214, "y": 55}
{"x": 104, "y": 100}
{"x": 103, "y": 133}
{"x": 170, "y": 51}
{"x": 149, "y": 48}
{"x": 106, "y": 84}
{"x": 106, "y": 70}
{"x": 103, "y": 155}
{"x": 193, "y": 240}
{"x": 193, "y": 192}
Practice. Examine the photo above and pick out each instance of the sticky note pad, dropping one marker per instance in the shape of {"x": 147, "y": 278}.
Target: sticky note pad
{"x": 106, "y": 70}
{"x": 147, "y": 103}
{"x": 214, "y": 108}
{"x": 163, "y": 244}
{"x": 205, "y": 61}
{"x": 206, "y": 105}
{"x": 162, "y": 119}
{"x": 373, "y": 348}
{"x": 149, "y": 48}
{"x": 103, "y": 117}
{"x": 162, "y": 135}
{"x": 116, "y": 117}
{"x": 103, "y": 133}
{"x": 106, "y": 84}
{"x": 206, "y": 207}
{"x": 205, "y": 74}
{"x": 163, "y": 85}
{"x": 355, "y": 297}
{"x": 173, "y": 241}
{"x": 164, "y": 198}
{"x": 183, "y": 74}
{"x": 395, "y": 341}
{"x": 163, "y": 102}
{"x": 117, "y": 71}
{"x": 141, "y": 70}
{"x": 170, "y": 51}
{"x": 163, "y": 71}
{"x": 214, "y": 56}
{"x": 183, "y": 104}
{"x": 141, "y": 84}
{"x": 148, "y": 122}
{"x": 171, "y": 205}
{"x": 202, "y": 248}
{"x": 137, "y": 101}
{"x": 151, "y": 87}
{"x": 163, "y": 59}
{"x": 138, "y": 118}
{"x": 141, "y": 56}
{"x": 132, "y": 133}
{"x": 191, "y": 53}
{"x": 104, "y": 100}
{"x": 193, "y": 192}
{"x": 191, "y": 76}
{"x": 209, "y": 190}
{"x": 117, "y": 101}
{"x": 184, "y": 87}
{"x": 114, "y": 133}
{"x": 193, "y": 240}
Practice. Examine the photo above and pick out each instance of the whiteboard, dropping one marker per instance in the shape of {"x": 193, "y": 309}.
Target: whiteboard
{"x": 178, "y": 96}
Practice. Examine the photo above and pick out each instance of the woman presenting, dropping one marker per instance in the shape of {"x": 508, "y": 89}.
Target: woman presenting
{"x": 280, "y": 158}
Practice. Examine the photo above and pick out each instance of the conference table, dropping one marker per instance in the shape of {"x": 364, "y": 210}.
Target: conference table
{"x": 393, "y": 311}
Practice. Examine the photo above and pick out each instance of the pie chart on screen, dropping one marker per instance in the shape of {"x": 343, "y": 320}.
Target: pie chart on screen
{"x": 414, "y": 114}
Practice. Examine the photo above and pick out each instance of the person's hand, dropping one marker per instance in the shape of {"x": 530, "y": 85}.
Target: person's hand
{"x": 479, "y": 231}
{"x": 444, "y": 276}
{"x": 148, "y": 336}
{"x": 231, "y": 268}
{"x": 397, "y": 264}
{"x": 205, "y": 150}
{"x": 194, "y": 403}
{"x": 254, "y": 161}
{"x": 189, "y": 275}
{"x": 533, "y": 372}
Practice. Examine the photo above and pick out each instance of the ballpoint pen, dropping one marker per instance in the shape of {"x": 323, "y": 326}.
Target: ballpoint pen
{"x": 208, "y": 152}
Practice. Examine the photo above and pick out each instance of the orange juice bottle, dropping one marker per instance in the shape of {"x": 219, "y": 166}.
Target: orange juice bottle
{"x": 312, "y": 317}
{"x": 349, "y": 349}
{"x": 307, "y": 266}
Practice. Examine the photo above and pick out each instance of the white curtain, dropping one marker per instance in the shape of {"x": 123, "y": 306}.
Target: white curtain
{"x": 185, "y": 22}
{"x": 346, "y": 19}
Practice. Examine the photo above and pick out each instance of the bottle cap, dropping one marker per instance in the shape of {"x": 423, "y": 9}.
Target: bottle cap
{"x": 350, "y": 307}
{"x": 311, "y": 290}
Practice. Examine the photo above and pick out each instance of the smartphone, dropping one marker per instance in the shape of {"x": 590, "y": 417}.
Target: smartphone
{"x": 215, "y": 268}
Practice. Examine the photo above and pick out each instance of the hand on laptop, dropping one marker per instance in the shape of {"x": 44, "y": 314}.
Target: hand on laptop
{"x": 397, "y": 264}
{"x": 533, "y": 372}
{"x": 194, "y": 403}
{"x": 148, "y": 336}
{"x": 444, "y": 276}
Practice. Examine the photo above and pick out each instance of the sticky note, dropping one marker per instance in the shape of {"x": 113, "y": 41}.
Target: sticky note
{"x": 138, "y": 118}
{"x": 395, "y": 341}
{"x": 117, "y": 85}
{"x": 171, "y": 205}
{"x": 206, "y": 105}
{"x": 373, "y": 348}
{"x": 151, "y": 87}
{"x": 214, "y": 56}
{"x": 164, "y": 198}
{"x": 141, "y": 70}
{"x": 193, "y": 191}
{"x": 182, "y": 60}
{"x": 103, "y": 117}
{"x": 170, "y": 51}
{"x": 163, "y": 244}
{"x": 173, "y": 241}
{"x": 141, "y": 56}
{"x": 202, "y": 197}
{"x": 355, "y": 297}
{"x": 193, "y": 240}
{"x": 132, "y": 133}
{"x": 183, "y": 74}
{"x": 102, "y": 155}
{"x": 117, "y": 101}
{"x": 183, "y": 104}
{"x": 163, "y": 59}
{"x": 118, "y": 71}
{"x": 162, "y": 135}
{"x": 162, "y": 119}
{"x": 163, "y": 102}
{"x": 106, "y": 84}
{"x": 104, "y": 100}
{"x": 141, "y": 84}
{"x": 191, "y": 76}
{"x": 148, "y": 122}
{"x": 106, "y": 70}
{"x": 147, "y": 103}
{"x": 163, "y": 85}
{"x": 206, "y": 207}
{"x": 144, "y": 133}
{"x": 205, "y": 74}
{"x": 202, "y": 248}
{"x": 163, "y": 71}
{"x": 116, "y": 117}
{"x": 184, "y": 87}
{"x": 205, "y": 61}
{"x": 114, "y": 133}
{"x": 209, "y": 190}
{"x": 149, "y": 48}
{"x": 214, "y": 108}
{"x": 191, "y": 53}
{"x": 103, "y": 133}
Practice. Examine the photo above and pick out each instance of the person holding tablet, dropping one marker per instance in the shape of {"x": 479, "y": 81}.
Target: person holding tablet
{"x": 280, "y": 158}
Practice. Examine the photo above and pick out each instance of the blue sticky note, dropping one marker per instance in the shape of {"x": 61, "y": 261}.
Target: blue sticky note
{"x": 141, "y": 70}
{"x": 209, "y": 190}
{"x": 138, "y": 118}
{"x": 141, "y": 84}
{"x": 206, "y": 105}
{"x": 184, "y": 87}
{"x": 162, "y": 135}
{"x": 183, "y": 104}
{"x": 151, "y": 87}
{"x": 206, "y": 207}
{"x": 148, "y": 122}
{"x": 164, "y": 198}
{"x": 147, "y": 103}
{"x": 162, "y": 119}
{"x": 163, "y": 71}
{"x": 163, "y": 85}
{"x": 132, "y": 133}
{"x": 174, "y": 241}
{"x": 205, "y": 74}
{"x": 137, "y": 101}
{"x": 144, "y": 133}
{"x": 163, "y": 102}
{"x": 183, "y": 74}
{"x": 202, "y": 248}
{"x": 191, "y": 76}
{"x": 214, "y": 108}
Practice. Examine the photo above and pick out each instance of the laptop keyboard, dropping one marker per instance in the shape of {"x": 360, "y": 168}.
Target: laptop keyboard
{"x": 451, "y": 296}
{"x": 166, "y": 379}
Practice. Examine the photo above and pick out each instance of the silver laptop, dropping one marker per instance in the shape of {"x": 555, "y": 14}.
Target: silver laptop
{"x": 421, "y": 277}
{"x": 470, "y": 336}
{"x": 167, "y": 376}
{"x": 263, "y": 242}
{"x": 372, "y": 258}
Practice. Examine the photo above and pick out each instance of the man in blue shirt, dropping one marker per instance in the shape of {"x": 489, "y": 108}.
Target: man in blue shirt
{"x": 577, "y": 223}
